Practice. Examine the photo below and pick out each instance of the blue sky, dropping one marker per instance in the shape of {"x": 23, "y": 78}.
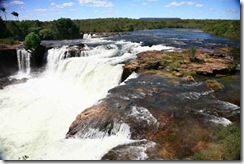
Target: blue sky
{"x": 46, "y": 10}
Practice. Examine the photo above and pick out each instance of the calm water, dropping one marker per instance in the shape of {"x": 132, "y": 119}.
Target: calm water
{"x": 179, "y": 38}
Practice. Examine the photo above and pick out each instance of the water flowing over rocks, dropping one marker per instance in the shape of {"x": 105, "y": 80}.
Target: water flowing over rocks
{"x": 167, "y": 117}
{"x": 148, "y": 114}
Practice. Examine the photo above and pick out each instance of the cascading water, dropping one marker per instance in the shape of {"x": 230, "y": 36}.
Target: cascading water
{"x": 35, "y": 116}
{"x": 87, "y": 36}
{"x": 23, "y": 61}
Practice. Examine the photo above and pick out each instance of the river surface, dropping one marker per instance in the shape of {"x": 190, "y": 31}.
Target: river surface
{"x": 36, "y": 115}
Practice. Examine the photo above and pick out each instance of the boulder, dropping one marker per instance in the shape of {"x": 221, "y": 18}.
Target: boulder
{"x": 145, "y": 60}
{"x": 189, "y": 78}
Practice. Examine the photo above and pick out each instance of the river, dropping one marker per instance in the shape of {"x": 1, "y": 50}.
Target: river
{"x": 36, "y": 115}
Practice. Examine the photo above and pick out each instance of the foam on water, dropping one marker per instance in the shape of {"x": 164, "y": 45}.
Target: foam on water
{"x": 36, "y": 115}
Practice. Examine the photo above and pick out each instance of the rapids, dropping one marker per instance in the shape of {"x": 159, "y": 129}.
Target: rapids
{"x": 36, "y": 115}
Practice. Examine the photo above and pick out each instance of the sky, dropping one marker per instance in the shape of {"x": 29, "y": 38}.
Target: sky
{"x": 47, "y": 10}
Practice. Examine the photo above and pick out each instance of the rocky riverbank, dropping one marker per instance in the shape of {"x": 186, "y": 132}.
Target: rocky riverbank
{"x": 187, "y": 62}
{"x": 169, "y": 117}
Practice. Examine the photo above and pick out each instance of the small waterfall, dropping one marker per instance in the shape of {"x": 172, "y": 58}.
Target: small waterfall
{"x": 87, "y": 36}
{"x": 23, "y": 61}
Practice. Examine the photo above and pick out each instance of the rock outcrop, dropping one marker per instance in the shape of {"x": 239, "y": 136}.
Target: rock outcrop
{"x": 167, "y": 119}
{"x": 8, "y": 62}
{"x": 181, "y": 63}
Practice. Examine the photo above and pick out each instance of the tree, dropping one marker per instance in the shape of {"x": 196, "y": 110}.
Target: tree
{"x": 16, "y": 15}
{"x": 66, "y": 29}
{"x": 4, "y": 12}
{"x": 32, "y": 41}
{"x": 46, "y": 34}
{"x": 3, "y": 29}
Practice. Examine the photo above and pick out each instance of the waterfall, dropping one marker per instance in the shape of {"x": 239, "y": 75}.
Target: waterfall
{"x": 87, "y": 36}
{"x": 23, "y": 61}
{"x": 36, "y": 115}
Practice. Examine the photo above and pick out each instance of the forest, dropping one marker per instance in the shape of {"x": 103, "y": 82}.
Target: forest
{"x": 65, "y": 28}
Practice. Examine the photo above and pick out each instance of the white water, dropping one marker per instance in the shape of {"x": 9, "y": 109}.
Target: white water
{"x": 35, "y": 116}
{"x": 87, "y": 36}
{"x": 23, "y": 61}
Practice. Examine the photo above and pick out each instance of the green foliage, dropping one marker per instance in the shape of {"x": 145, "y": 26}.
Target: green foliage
{"x": 226, "y": 146}
{"x": 230, "y": 139}
{"x": 46, "y": 34}
{"x": 173, "y": 66}
{"x": 15, "y": 14}
{"x": 32, "y": 41}
{"x": 231, "y": 67}
{"x": 69, "y": 29}
{"x": 3, "y": 29}
{"x": 192, "y": 73}
{"x": 8, "y": 41}
{"x": 196, "y": 60}
{"x": 213, "y": 84}
{"x": 66, "y": 29}
{"x": 213, "y": 152}
{"x": 73, "y": 52}
{"x": 192, "y": 51}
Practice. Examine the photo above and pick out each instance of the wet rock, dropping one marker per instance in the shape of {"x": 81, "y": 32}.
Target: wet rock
{"x": 153, "y": 108}
{"x": 8, "y": 62}
{"x": 189, "y": 78}
{"x": 5, "y": 82}
{"x": 129, "y": 68}
{"x": 177, "y": 74}
{"x": 134, "y": 151}
{"x": 145, "y": 60}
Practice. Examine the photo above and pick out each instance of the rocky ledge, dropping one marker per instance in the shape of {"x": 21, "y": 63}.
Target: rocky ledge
{"x": 186, "y": 62}
{"x": 168, "y": 117}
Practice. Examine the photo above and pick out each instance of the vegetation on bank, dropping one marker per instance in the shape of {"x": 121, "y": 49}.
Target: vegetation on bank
{"x": 32, "y": 41}
{"x": 213, "y": 84}
{"x": 64, "y": 28}
{"x": 226, "y": 144}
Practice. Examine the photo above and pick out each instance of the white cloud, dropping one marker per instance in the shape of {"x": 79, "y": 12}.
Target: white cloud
{"x": 53, "y": 4}
{"x": 67, "y": 4}
{"x": 152, "y": 0}
{"x": 16, "y": 2}
{"x": 96, "y": 3}
{"x": 212, "y": 9}
{"x": 178, "y": 4}
{"x": 40, "y": 10}
{"x": 199, "y": 5}
{"x": 144, "y": 4}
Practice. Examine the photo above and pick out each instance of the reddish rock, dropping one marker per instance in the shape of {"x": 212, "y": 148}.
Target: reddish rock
{"x": 161, "y": 114}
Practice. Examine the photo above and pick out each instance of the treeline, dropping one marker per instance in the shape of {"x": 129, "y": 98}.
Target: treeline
{"x": 55, "y": 30}
{"x": 70, "y": 29}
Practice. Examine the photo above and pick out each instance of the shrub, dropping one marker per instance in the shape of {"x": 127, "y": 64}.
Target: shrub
{"x": 173, "y": 66}
{"x": 32, "y": 41}
{"x": 227, "y": 144}
{"x": 192, "y": 73}
{"x": 230, "y": 139}
{"x": 213, "y": 84}
{"x": 191, "y": 51}
{"x": 73, "y": 52}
